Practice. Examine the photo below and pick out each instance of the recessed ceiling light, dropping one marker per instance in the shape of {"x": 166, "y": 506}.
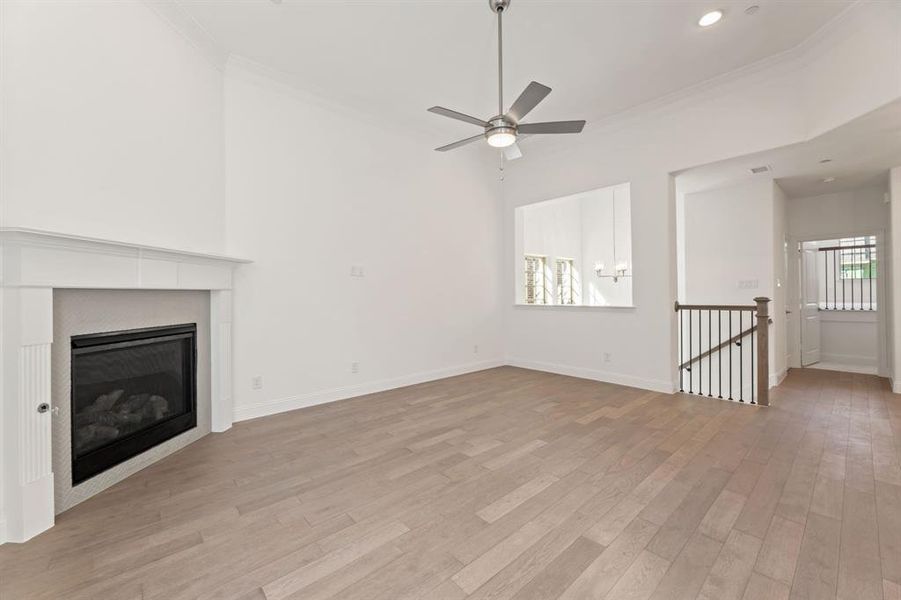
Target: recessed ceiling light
{"x": 825, "y": 160}
{"x": 829, "y": 180}
{"x": 710, "y": 18}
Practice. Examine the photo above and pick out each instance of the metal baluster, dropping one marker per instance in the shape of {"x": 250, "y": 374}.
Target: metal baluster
{"x": 841, "y": 279}
{"x": 681, "y": 347}
{"x": 861, "y": 279}
{"x": 741, "y": 360}
{"x": 730, "y": 355}
{"x": 719, "y": 353}
{"x": 709, "y": 356}
{"x": 691, "y": 376}
{"x": 834, "y": 297}
{"x": 826, "y": 277}
{"x": 852, "y": 279}
{"x": 753, "y": 372}
{"x": 870, "y": 275}
{"x": 700, "y": 360}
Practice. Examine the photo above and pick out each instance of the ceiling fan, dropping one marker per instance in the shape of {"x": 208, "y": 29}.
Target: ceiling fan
{"x": 501, "y": 131}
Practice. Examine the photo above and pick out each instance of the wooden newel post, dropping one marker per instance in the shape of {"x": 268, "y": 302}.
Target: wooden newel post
{"x": 763, "y": 351}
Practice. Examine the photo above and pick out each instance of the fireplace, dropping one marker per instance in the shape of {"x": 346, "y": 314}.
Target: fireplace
{"x": 131, "y": 390}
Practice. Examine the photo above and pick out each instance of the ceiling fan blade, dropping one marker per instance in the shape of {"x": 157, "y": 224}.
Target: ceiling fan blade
{"x": 512, "y": 152}
{"x": 446, "y": 112}
{"x": 463, "y": 142}
{"x": 552, "y": 127}
{"x": 528, "y": 99}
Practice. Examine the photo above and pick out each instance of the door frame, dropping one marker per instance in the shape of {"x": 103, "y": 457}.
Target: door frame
{"x": 793, "y": 295}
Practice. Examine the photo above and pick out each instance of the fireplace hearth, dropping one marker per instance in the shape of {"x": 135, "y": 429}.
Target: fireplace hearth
{"x": 131, "y": 390}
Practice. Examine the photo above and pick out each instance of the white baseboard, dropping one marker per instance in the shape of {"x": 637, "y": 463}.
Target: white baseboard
{"x": 3, "y": 536}
{"x": 850, "y": 359}
{"x": 656, "y": 385}
{"x": 846, "y": 368}
{"x": 279, "y": 405}
{"x": 777, "y": 378}
{"x": 896, "y": 387}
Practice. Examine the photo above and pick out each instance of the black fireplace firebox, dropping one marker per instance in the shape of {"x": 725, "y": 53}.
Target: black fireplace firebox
{"x": 131, "y": 390}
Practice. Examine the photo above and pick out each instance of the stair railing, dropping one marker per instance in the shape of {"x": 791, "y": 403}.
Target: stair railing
{"x": 712, "y": 340}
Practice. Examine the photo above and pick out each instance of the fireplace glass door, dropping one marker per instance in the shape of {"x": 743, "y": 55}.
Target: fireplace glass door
{"x": 131, "y": 390}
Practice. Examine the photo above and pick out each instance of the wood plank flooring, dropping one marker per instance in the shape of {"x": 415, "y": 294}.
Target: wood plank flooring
{"x": 505, "y": 483}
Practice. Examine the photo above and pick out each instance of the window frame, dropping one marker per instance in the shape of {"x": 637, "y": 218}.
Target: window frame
{"x": 560, "y": 285}
{"x": 540, "y": 285}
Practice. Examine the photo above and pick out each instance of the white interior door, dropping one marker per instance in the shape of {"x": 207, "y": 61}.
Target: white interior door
{"x": 810, "y": 309}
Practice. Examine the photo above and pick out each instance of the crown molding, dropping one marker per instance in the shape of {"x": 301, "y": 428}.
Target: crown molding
{"x": 794, "y": 59}
{"x": 832, "y": 33}
{"x": 173, "y": 14}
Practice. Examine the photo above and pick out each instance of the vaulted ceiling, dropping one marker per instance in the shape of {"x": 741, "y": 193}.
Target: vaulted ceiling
{"x": 396, "y": 58}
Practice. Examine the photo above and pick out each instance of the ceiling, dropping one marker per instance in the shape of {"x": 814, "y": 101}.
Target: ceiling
{"x": 861, "y": 152}
{"x": 396, "y": 58}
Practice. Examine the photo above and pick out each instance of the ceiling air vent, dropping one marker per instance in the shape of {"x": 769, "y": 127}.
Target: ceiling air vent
{"x": 763, "y": 169}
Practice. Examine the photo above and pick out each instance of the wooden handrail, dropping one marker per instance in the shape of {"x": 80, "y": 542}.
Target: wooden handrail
{"x": 679, "y": 307}
{"x": 718, "y": 347}
{"x": 760, "y": 354}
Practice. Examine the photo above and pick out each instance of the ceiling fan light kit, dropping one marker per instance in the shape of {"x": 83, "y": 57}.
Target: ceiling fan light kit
{"x": 502, "y": 131}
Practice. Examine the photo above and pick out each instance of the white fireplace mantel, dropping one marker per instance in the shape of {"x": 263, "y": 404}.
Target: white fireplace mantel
{"x": 32, "y": 264}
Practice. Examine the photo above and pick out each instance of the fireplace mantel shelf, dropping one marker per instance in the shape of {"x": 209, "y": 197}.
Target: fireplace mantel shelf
{"x": 35, "y": 258}
{"x": 25, "y": 234}
{"x": 33, "y": 264}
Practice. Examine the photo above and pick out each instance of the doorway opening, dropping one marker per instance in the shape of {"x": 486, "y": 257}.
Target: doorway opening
{"x": 840, "y": 288}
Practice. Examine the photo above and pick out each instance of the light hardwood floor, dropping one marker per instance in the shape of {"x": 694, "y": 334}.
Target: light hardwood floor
{"x": 505, "y": 484}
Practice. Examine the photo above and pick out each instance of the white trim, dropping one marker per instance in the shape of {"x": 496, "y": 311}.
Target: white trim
{"x": 185, "y": 25}
{"x": 26, "y": 235}
{"x": 3, "y": 537}
{"x": 777, "y": 378}
{"x": 844, "y": 367}
{"x": 32, "y": 264}
{"x": 280, "y": 405}
{"x": 832, "y": 33}
{"x": 656, "y": 385}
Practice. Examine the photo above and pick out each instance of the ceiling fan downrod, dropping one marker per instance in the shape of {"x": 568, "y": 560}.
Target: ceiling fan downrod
{"x": 499, "y": 6}
{"x": 502, "y": 130}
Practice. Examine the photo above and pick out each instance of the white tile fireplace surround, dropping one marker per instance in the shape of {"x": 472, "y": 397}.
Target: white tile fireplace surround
{"x": 32, "y": 265}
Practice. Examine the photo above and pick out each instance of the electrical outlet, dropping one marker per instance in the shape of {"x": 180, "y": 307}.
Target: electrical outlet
{"x": 356, "y": 271}
{"x": 606, "y": 357}
{"x": 475, "y": 349}
{"x": 748, "y": 284}
{"x": 354, "y": 367}
{"x": 256, "y": 382}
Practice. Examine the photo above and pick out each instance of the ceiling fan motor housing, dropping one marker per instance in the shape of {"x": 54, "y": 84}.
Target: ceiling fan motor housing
{"x": 500, "y": 124}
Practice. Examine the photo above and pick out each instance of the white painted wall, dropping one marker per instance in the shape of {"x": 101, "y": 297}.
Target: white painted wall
{"x": 590, "y": 228}
{"x": 831, "y": 215}
{"x": 778, "y": 332}
{"x": 614, "y": 211}
{"x": 729, "y": 242}
{"x": 312, "y": 191}
{"x": 894, "y": 271}
{"x": 112, "y": 125}
{"x": 554, "y": 230}
{"x": 828, "y": 217}
{"x": 849, "y": 341}
{"x": 733, "y": 252}
{"x": 763, "y": 107}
